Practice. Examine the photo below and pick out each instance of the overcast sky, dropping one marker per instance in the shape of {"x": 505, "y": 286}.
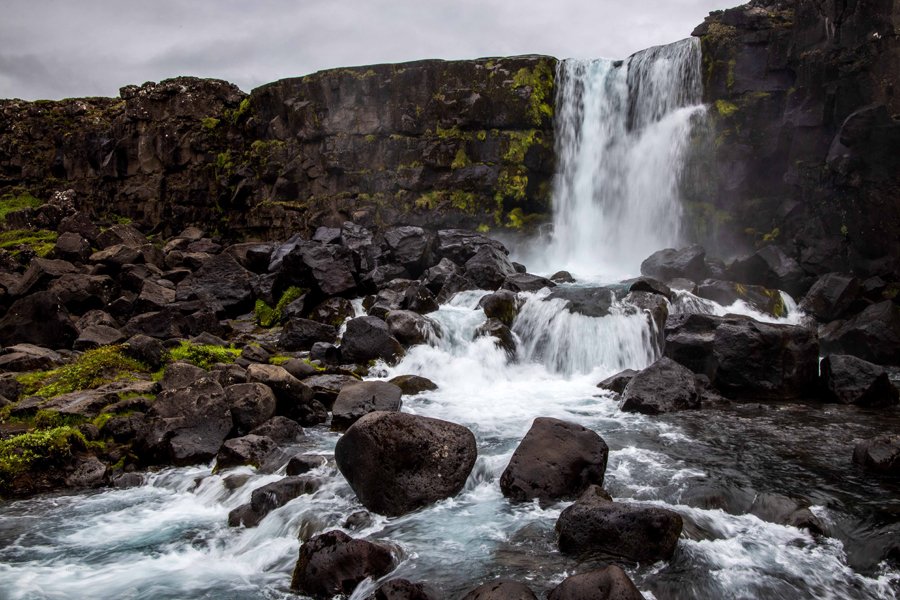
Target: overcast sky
{"x": 65, "y": 48}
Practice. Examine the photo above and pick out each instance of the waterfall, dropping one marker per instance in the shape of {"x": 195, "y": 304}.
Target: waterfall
{"x": 623, "y": 129}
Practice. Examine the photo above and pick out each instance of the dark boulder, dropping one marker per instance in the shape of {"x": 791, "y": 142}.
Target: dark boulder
{"x": 850, "y": 380}
{"x": 411, "y": 328}
{"x": 526, "y": 282}
{"x": 502, "y": 305}
{"x": 252, "y": 404}
{"x": 220, "y": 279}
{"x": 880, "y": 454}
{"x": 270, "y": 497}
{"x": 435, "y": 277}
{"x": 744, "y": 358}
{"x": 396, "y": 462}
{"x": 332, "y": 311}
{"x": 186, "y": 426}
{"x": 293, "y": 399}
{"x": 590, "y": 302}
{"x": 410, "y": 247}
{"x": 831, "y": 296}
{"x": 72, "y": 247}
{"x": 873, "y": 335}
{"x": 413, "y": 384}
{"x": 503, "y": 337}
{"x": 618, "y": 382}
{"x": 304, "y": 463}
{"x": 281, "y": 429}
{"x": 301, "y": 334}
{"x": 770, "y": 267}
{"x": 608, "y": 583}
{"x": 38, "y": 319}
{"x": 251, "y": 450}
{"x": 629, "y": 531}
{"x": 556, "y": 460}
{"x": 562, "y": 277}
{"x": 668, "y": 264}
{"x": 665, "y": 386}
{"x": 361, "y": 398}
{"x": 327, "y": 266}
{"x": 502, "y": 589}
{"x": 489, "y": 268}
{"x": 726, "y": 293}
{"x": 403, "y": 589}
{"x": 651, "y": 286}
{"x": 460, "y": 245}
{"x": 333, "y": 564}
{"x": 179, "y": 374}
{"x": 95, "y": 336}
{"x": 369, "y": 338}
{"x": 327, "y": 386}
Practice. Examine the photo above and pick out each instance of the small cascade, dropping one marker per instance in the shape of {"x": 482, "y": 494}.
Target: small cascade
{"x": 623, "y": 131}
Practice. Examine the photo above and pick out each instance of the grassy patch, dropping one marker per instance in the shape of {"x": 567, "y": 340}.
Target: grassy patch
{"x": 20, "y": 453}
{"x": 266, "y": 316}
{"x": 90, "y": 370}
{"x": 40, "y": 241}
{"x": 203, "y": 355}
{"x": 11, "y": 202}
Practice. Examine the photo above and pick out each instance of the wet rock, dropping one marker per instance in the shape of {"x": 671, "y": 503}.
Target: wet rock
{"x": 281, "y": 429}
{"x": 502, "y": 589}
{"x": 608, "y": 583}
{"x": 369, "y": 338}
{"x": 293, "y": 399}
{"x": 776, "y": 508}
{"x": 270, "y": 497}
{"x": 396, "y": 462}
{"x": 460, "y": 245}
{"x": 726, "y": 293}
{"x": 334, "y": 564}
{"x": 618, "y": 382}
{"x": 665, "y": 386}
{"x": 301, "y": 334}
{"x": 744, "y": 358}
{"x": 452, "y": 286}
{"x": 326, "y": 387}
{"x": 556, "y": 460}
{"x": 502, "y": 305}
{"x": 590, "y": 302}
{"x": 850, "y": 380}
{"x": 327, "y": 354}
{"x": 650, "y": 286}
{"x": 656, "y": 308}
{"x": 247, "y": 450}
{"x": 413, "y": 384}
{"x": 629, "y": 531}
{"x": 873, "y": 335}
{"x": 770, "y": 267}
{"x": 304, "y": 463}
{"x": 489, "y": 267}
{"x": 411, "y": 328}
{"x": 435, "y": 277}
{"x": 503, "y": 337}
{"x": 252, "y": 404}
{"x": 668, "y": 264}
{"x": 358, "y": 520}
{"x": 562, "y": 277}
{"x": 38, "y": 319}
{"x": 831, "y": 296}
{"x": 187, "y": 425}
{"x": 88, "y": 472}
{"x": 403, "y": 589}
{"x": 362, "y": 398}
{"x": 880, "y": 454}
{"x": 526, "y": 282}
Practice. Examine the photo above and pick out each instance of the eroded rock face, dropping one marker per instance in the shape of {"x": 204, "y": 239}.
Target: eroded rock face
{"x": 397, "y": 462}
{"x": 556, "y": 460}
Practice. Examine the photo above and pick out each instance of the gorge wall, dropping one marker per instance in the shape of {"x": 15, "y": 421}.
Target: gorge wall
{"x": 802, "y": 136}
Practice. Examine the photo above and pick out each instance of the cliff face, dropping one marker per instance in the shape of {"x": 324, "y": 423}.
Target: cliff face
{"x": 467, "y": 143}
{"x": 805, "y": 136}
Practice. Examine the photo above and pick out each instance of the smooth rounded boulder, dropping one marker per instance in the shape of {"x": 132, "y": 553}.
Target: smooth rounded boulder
{"x": 361, "y": 398}
{"x": 556, "y": 460}
{"x": 608, "y": 583}
{"x": 403, "y": 589}
{"x": 663, "y": 387}
{"x": 334, "y": 564}
{"x": 630, "y": 531}
{"x": 252, "y": 404}
{"x": 502, "y": 589}
{"x": 397, "y": 462}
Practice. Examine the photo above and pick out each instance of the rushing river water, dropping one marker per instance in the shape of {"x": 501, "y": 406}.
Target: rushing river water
{"x": 616, "y": 202}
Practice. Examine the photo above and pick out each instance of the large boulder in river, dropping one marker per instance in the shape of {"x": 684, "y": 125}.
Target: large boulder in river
{"x": 186, "y": 425}
{"x": 852, "y": 380}
{"x": 669, "y": 264}
{"x": 396, "y": 462}
{"x": 872, "y": 335}
{"x": 556, "y": 460}
{"x": 252, "y": 404}
{"x": 369, "y": 338}
{"x": 251, "y": 450}
{"x": 590, "y": 302}
{"x": 489, "y": 268}
{"x": 631, "y": 531}
{"x": 333, "y": 564}
{"x": 411, "y": 328}
{"x": 608, "y": 583}
{"x": 361, "y": 398}
{"x": 502, "y": 305}
{"x": 501, "y": 589}
{"x": 726, "y": 293}
{"x": 744, "y": 358}
{"x": 880, "y": 454}
{"x": 665, "y": 386}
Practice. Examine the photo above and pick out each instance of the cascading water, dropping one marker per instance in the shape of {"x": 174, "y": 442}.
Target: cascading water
{"x": 622, "y": 133}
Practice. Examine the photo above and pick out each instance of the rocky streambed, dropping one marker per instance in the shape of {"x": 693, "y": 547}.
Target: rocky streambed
{"x": 405, "y": 413}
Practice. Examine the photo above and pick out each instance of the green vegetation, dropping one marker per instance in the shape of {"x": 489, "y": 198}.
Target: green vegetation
{"x": 518, "y": 144}
{"x": 90, "y": 370}
{"x": 266, "y": 316}
{"x": 460, "y": 160}
{"x": 511, "y": 184}
{"x": 11, "y": 202}
{"x": 20, "y": 453}
{"x": 540, "y": 81}
{"x": 235, "y": 115}
{"x": 725, "y": 108}
{"x": 210, "y": 123}
{"x": 41, "y": 241}
{"x": 203, "y": 355}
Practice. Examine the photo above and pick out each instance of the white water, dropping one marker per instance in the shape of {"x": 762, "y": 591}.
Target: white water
{"x": 622, "y": 132}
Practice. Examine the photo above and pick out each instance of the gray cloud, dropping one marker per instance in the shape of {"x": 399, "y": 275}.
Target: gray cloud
{"x": 59, "y": 48}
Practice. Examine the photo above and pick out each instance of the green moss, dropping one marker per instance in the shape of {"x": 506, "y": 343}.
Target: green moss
{"x": 460, "y": 160}
{"x": 40, "y": 241}
{"x": 20, "y": 453}
{"x": 772, "y": 235}
{"x": 518, "y": 143}
{"x": 210, "y": 123}
{"x": 540, "y": 81}
{"x": 481, "y": 135}
{"x": 776, "y": 305}
{"x": 729, "y": 77}
{"x": 48, "y": 419}
{"x": 88, "y": 371}
{"x": 279, "y": 359}
{"x": 266, "y": 316}
{"x": 464, "y": 201}
{"x": 10, "y": 203}
{"x": 203, "y": 355}
{"x": 725, "y": 108}
{"x": 101, "y": 420}
{"x": 483, "y": 228}
{"x": 235, "y": 115}
{"x": 512, "y": 185}
{"x": 451, "y": 133}
{"x": 371, "y": 138}
{"x": 431, "y": 200}
{"x": 224, "y": 162}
